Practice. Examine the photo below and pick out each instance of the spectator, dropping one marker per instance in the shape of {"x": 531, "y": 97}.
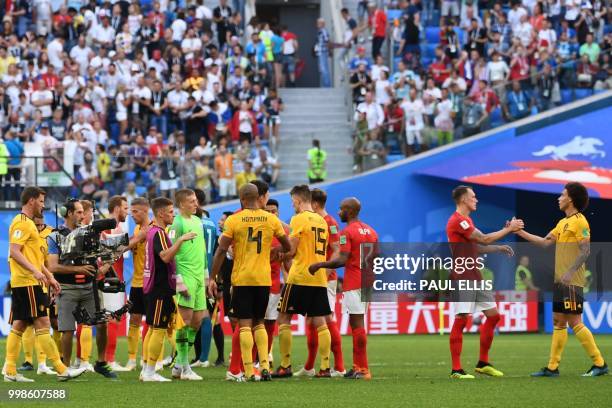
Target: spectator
{"x": 361, "y": 82}
{"x": 477, "y": 37}
{"x": 204, "y": 175}
{"x": 290, "y": 47}
{"x": 317, "y": 163}
{"x": 590, "y": 49}
{"x": 547, "y": 86}
{"x": 374, "y": 113}
{"x": 373, "y": 152}
{"x": 519, "y": 103}
{"x": 379, "y": 30}
{"x": 444, "y": 119}
{"x": 450, "y": 8}
{"x": 383, "y": 89}
{"x": 225, "y": 173}
{"x": 246, "y": 175}
{"x": 267, "y": 168}
{"x": 414, "y": 110}
{"x": 244, "y": 124}
{"x": 322, "y": 52}
{"x": 585, "y": 72}
{"x": 90, "y": 183}
{"x": 409, "y": 48}
{"x": 359, "y": 59}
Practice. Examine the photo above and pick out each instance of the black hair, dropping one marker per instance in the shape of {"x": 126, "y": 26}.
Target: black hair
{"x": 273, "y": 202}
{"x": 262, "y": 187}
{"x": 578, "y": 194}
{"x": 459, "y": 192}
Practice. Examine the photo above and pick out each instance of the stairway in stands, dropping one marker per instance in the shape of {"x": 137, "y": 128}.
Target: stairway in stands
{"x": 313, "y": 113}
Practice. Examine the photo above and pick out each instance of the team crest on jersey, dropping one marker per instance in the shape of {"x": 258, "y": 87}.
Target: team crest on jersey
{"x": 464, "y": 224}
{"x": 585, "y": 232}
{"x": 172, "y": 234}
{"x": 333, "y": 229}
{"x": 17, "y": 234}
{"x": 41, "y": 308}
{"x": 565, "y": 227}
{"x": 342, "y": 239}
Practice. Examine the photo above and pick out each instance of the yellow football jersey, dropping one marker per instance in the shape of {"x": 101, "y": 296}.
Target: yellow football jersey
{"x": 138, "y": 258}
{"x": 44, "y": 234}
{"x": 569, "y": 232}
{"x": 23, "y": 232}
{"x": 312, "y": 231}
{"x": 252, "y": 232}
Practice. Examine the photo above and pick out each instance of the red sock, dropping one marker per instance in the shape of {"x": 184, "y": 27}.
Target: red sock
{"x": 236, "y": 360}
{"x": 487, "y": 331}
{"x": 355, "y": 354}
{"x": 361, "y": 343}
{"x": 312, "y": 342}
{"x": 336, "y": 345}
{"x": 78, "y": 340}
{"x": 111, "y": 342}
{"x": 456, "y": 341}
{"x": 145, "y": 329}
{"x": 270, "y": 325}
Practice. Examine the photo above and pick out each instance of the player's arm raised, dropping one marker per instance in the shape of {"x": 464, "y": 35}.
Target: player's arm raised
{"x": 543, "y": 242}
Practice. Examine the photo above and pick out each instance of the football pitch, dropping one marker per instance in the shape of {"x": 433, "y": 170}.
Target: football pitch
{"x": 407, "y": 371}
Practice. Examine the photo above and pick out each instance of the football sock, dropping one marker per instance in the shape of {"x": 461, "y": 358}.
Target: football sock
{"x": 559, "y": 338}
{"x": 13, "y": 347}
{"x": 206, "y": 337}
{"x": 456, "y": 341}
{"x": 133, "y": 337}
{"x": 336, "y": 345}
{"x": 361, "y": 341}
{"x": 261, "y": 340}
{"x": 111, "y": 341}
{"x": 42, "y": 357}
{"x": 285, "y": 339}
{"x": 170, "y": 336}
{"x": 236, "y": 360}
{"x": 156, "y": 342}
{"x": 145, "y": 329}
{"x": 219, "y": 342}
{"x": 79, "y": 330}
{"x": 324, "y": 338}
{"x": 86, "y": 342}
{"x": 197, "y": 343}
{"x": 584, "y": 335}
{"x": 47, "y": 344}
{"x": 270, "y": 332}
{"x": 161, "y": 354}
{"x": 27, "y": 342}
{"x": 487, "y": 331}
{"x": 182, "y": 346}
{"x": 145, "y": 346}
{"x": 246, "y": 347}
{"x": 312, "y": 343}
{"x": 191, "y": 334}
{"x": 57, "y": 339}
{"x": 355, "y": 356}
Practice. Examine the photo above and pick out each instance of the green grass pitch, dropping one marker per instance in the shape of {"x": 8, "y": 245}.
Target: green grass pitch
{"x": 407, "y": 371}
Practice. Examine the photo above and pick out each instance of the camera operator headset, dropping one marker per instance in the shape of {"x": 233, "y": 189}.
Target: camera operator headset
{"x": 77, "y": 283}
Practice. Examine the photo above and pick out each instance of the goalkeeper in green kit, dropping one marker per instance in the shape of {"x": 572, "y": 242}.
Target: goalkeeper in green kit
{"x": 191, "y": 273}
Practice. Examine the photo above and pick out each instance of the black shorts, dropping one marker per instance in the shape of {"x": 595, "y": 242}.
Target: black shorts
{"x": 137, "y": 299}
{"x": 28, "y": 303}
{"x": 52, "y": 309}
{"x": 159, "y": 310}
{"x": 308, "y": 301}
{"x": 250, "y": 302}
{"x": 226, "y": 276}
{"x": 567, "y": 299}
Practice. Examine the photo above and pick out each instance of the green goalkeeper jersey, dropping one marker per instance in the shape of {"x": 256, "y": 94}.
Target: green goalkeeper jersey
{"x": 191, "y": 257}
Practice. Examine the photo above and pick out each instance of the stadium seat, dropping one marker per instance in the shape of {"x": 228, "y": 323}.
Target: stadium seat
{"x": 496, "y": 117}
{"x": 598, "y": 91}
{"x": 141, "y": 191}
{"x": 460, "y": 34}
{"x": 435, "y": 17}
{"x": 608, "y": 29}
{"x": 396, "y": 61}
{"x": 429, "y": 50}
{"x": 425, "y": 62}
{"x": 566, "y": 96}
{"x": 432, "y": 35}
{"x": 130, "y": 176}
{"x": 145, "y": 178}
{"x": 394, "y": 157}
{"x": 581, "y": 93}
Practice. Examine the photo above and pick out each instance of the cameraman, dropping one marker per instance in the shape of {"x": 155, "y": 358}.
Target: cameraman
{"x": 29, "y": 303}
{"x": 77, "y": 288}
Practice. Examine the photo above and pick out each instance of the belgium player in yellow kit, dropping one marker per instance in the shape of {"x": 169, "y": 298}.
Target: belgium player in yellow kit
{"x": 571, "y": 237}
{"x": 29, "y": 302}
{"x": 250, "y": 231}
{"x": 305, "y": 293}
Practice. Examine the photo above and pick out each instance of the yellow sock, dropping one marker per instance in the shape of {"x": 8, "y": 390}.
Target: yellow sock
{"x": 584, "y": 335}
{"x": 557, "y": 345}
{"x": 27, "y": 342}
{"x": 161, "y": 354}
{"x": 246, "y": 350}
{"x": 324, "y": 345}
{"x": 285, "y": 339}
{"x": 13, "y": 347}
{"x": 42, "y": 357}
{"x": 57, "y": 339}
{"x": 155, "y": 345}
{"x": 47, "y": 344}
{"x": 171, "y": 339}
{"x": 261, "y": 340}
{"x": 145, "y": 345}
{"x": 86, "y": 342}
{"x": 133, "y": 336}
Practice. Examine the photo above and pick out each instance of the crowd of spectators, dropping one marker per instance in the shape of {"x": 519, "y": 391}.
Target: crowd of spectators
{"x": 443, "y": 70}
{"x": 152, "y": 95}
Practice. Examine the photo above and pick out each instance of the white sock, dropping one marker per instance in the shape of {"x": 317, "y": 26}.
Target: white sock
{"x": 150, "y": 369}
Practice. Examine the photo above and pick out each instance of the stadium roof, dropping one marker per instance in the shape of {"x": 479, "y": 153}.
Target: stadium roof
{"x": 579, "y": 149}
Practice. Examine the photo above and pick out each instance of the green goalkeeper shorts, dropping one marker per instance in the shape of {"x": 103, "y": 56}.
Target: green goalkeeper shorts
{"x": 197, "y": 294}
